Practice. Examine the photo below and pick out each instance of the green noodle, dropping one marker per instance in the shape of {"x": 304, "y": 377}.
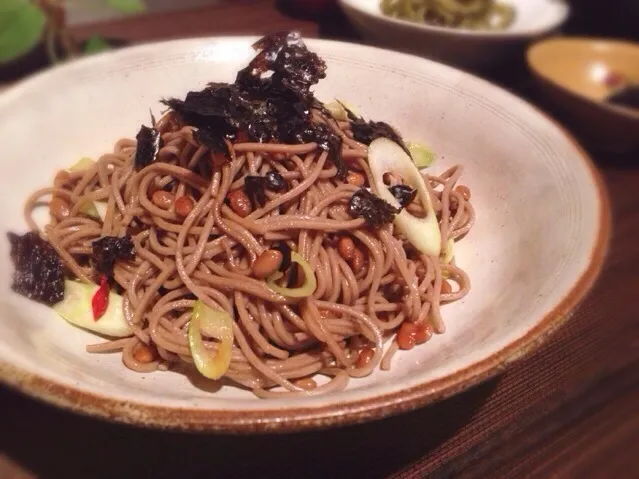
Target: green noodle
{"x": 470, "y": 14}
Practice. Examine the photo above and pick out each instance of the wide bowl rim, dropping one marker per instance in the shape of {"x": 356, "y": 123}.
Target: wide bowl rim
{"x": 489, "y": 35}
{"x": 194, "y": 419}
{"x": 551, "y": 43}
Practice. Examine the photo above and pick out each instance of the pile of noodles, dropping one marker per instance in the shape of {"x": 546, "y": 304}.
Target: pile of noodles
{"x": 208, "y": 255}
{"x": 470, "y": 14}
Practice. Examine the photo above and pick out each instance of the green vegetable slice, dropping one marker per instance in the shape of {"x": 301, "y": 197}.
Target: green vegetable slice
{"x": 307, "y": 289}
{"x": 386, "y": 156}
{"x": 76, "y": 309}
{"x": 96, "y": 209}
{"x": 83, "y": 164}
{"x": 336, "y": 109}
{"x": 421, "y": 154}
{"x": 449, "y": 251}
{"x": 216, "y": 324}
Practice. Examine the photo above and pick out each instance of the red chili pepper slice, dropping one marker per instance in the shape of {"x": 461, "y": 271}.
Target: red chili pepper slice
{"x": 100, "y": 300}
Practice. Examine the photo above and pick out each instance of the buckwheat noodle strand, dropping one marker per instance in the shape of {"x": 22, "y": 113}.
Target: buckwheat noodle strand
{"x": 280, "y": 342}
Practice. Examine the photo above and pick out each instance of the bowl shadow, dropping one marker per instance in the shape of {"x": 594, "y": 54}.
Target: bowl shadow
{"x": 54, "y": 443}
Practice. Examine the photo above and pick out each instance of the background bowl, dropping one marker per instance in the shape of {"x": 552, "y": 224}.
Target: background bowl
{"x": 572, "y": 73}
{"x": 469, "y": 49}
{"x": 538, "y": 243}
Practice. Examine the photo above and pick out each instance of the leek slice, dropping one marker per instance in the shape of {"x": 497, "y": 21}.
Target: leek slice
{"x": 84, "y": 164}
{"x": 337, "y": 110}
{"x": 219, "y": 325}
{"x": 422, "y": 155}
{"x": 307, "y": 289}
{"x": 386, "y": 156}
{"x": 449, "y": 251}
{"x": 96, "y": 210}
{"x": 76, "y": 309}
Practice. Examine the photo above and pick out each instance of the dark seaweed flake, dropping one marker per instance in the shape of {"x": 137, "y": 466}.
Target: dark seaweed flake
{"x": 367, "y": 131}
{"x": 404, "y": 194}
{"x": 294, "y": 68}
{"x": 213, "y": 141}
{"x": 39, "y": 272}
{"x": 220, "y": 108}
{"x": 376, "y": 211}
{"x": 109, "y": 249}
{"x": 148, "y": 146}
{"x": 270, "y": 99}
{"x": 328, "y": 141}
{"x": 274, "y": 181}
{"x": 254, "y": 187}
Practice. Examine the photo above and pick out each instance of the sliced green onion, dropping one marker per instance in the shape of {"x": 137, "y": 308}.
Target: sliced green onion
{"x": 76, "y": 309}
{"x": 216, "y": 324}
{"x": 101, "y": 209}
{"x": 89, "y": 209}
{"x": 449, "y": 251}
{"x": 386, "y": 156}
{"x": 84, "y": 164}
{"x": 421, "y": 154}
{"x": 94, "y": 209}
{"x": 307, "y": 289}
{"x": 336, "y": 109}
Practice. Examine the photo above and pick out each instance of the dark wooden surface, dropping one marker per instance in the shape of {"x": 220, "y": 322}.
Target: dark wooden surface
{"x": 570, "y": 410}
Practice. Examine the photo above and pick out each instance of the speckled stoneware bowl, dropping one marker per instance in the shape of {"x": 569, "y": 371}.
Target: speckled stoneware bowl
{"x": 539, "y": 241}
{"x": 572, "y": 73}
{"x": 469, "y": 49}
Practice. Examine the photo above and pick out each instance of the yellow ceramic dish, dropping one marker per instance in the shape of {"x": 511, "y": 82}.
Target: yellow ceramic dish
{"x": 578, "y": 74}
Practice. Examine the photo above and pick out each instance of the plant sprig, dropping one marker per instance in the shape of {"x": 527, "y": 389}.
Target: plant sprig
{"x": 22, "y": 24}
{"x": 26, "y": 23}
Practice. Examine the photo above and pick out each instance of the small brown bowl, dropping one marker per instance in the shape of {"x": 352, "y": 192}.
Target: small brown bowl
{"x": 576, "y": 74}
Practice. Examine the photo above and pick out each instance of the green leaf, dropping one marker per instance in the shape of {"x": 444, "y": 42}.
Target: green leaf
{"x": 127, "y": 6}
{"x": 21, "y": 28}
{"x": 96, "y": 44}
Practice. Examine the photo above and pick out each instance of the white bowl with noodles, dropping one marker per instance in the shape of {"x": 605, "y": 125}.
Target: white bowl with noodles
{"x": 464, "y": 48}
{"x": 538, "y": 243}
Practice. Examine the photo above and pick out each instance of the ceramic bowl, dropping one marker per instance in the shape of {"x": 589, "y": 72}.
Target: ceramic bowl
{"x": 469, "y": 49}
{"x": 537, "y": 245}
{"x": 577, "y": 74}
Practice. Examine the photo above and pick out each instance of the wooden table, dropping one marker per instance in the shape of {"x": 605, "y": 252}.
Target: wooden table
{"x": 569, "y": 410}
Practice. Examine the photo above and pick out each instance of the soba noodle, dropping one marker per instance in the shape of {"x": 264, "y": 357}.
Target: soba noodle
{"x": 209, "y": 255}
{"x": 364, "y": 297}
